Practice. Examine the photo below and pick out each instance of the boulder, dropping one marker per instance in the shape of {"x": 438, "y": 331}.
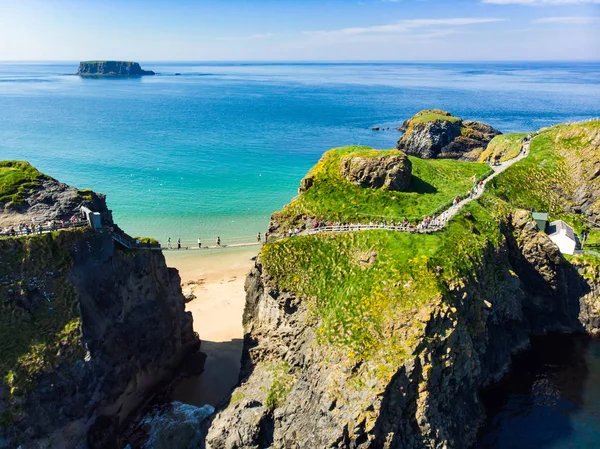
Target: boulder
{"x": 438, "y": 134}
{"x": 391, "y": 172}
{"x": 306, "y": 183}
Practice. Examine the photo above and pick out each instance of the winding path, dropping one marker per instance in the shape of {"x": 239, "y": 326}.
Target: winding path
{"x": 448, "y": 213}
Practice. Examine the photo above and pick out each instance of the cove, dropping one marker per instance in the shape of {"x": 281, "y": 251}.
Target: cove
{"x": 549, "y": 400}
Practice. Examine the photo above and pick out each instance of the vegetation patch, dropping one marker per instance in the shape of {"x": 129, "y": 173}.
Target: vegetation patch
{"x": 282, "y": 381}
{"x": 17, "y": 178}
{"x": 147, "y": 240}
{"x": 435, "y": 115}
{"x": 84, "y": 195}
{"x": 434, "y": 184}
{"x": 503, "y": 147}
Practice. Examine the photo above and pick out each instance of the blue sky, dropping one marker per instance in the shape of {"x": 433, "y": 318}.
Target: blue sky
{"x": 197, "y": 30}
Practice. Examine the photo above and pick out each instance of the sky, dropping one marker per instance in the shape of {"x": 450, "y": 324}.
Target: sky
{"x": 299, "y": 30}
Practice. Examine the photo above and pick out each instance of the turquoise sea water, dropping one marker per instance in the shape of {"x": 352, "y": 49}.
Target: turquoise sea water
{"x": 216, "y": 150}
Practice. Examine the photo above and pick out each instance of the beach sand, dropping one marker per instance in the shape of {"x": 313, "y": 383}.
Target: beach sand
{"x": 216, "y": 279}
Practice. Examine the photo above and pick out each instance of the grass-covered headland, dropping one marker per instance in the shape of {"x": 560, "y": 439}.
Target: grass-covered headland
{"x": 434, "y": 184}
{"x": 365, "y": 289}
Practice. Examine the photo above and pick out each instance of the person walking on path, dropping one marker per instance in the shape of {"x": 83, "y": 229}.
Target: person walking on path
{"x": 266, "y": 236}
{"x": 199, "y": 243}
{"x": 169, "y": 243}
{"x": 179, "y": 243}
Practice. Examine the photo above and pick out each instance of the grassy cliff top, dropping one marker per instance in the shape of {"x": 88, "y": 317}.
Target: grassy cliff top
{"x": 503, "y": 147}
{"x": 432, "y": 115}
{"x": 101, "y": 61}
{"x": 369, "y": 291}
{"x": 16, "y": 179}
{"x": 434, "y": 184}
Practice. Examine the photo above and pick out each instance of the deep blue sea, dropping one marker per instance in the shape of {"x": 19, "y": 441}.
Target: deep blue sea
{"x": 550, "y": 400}
{"x": 216, "y": 150}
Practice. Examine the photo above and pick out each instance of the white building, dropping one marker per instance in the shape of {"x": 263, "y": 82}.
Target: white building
{"x": 563, "y": 236}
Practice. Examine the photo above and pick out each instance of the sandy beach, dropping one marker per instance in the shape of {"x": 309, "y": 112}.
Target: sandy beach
{"x": 216, "y": 279}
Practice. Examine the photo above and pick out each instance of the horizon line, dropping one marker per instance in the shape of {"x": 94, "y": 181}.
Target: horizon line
{"x": 305, "y": 61}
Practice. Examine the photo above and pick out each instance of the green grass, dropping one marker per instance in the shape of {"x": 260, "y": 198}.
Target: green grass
{"x": 433, "y": 117}
{"x": 147, "y": 240}
{"x": 503, "y": 147}
{"x": 434, "y": 185}
{"x": 281, "y": 384}
{"x": 17, "y": 178}
{"x": 367, "y": 307}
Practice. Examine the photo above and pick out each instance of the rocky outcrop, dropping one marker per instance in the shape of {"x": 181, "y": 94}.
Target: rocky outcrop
{"x": 438, "y": 134}
{"x": 583, "y": 167}
{"x": 111, "y": 68}
{"x": 520, "y": 288}
{"x": 87, "y": 331}
{"x": 383, "y": 172}
{"x": 51, "y": 200}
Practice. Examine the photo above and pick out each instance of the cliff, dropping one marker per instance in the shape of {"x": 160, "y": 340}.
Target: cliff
{"x": 382, "y": 339}
{"x": 29, "y": 196}
{"x": 111, "y": 68}
{"x": 87, "y": 332}
{"x": 439, "y": 134}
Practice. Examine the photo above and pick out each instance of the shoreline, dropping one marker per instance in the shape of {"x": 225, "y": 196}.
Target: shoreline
{"x": 216, "y": 280}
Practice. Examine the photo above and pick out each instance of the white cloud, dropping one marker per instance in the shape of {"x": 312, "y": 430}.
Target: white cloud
{"x": 402, "y": 26}
{"x": 574, "y": 20}
{"x": 262, "y": 36}
{"x": 542, "y": 2}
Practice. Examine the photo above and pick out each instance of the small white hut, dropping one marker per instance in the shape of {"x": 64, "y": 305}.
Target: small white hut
{"x": 563, "y": 236}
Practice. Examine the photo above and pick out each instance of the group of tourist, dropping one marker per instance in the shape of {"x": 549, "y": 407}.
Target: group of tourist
{"x": 39, "y": 228}
{"x": 170, "y": 245}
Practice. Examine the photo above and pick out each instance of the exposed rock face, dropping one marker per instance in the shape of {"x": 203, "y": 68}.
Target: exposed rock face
{"x": 111, "y": 68}
{"x": 584, "y": 168}
{"x": 306, "y": 183}
{"x": 523, "y": 287}
{"x": 54, "y": 200}
{"x": 93, "y": 331}
{"x": 385, "y": 172}
{"x": 438, "y": 134}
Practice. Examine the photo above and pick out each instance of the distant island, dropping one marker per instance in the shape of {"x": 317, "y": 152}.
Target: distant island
{"x": 111, "y": 68}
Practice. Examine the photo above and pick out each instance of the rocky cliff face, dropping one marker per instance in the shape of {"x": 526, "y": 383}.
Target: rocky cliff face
{"x": 295, "y": 393}
{"x": 387, "y": 172}
{"x": 583, "y": 166}
{"x": 87, "y": 332}
{"x": 50, "y": 200}
{"x": 438, "y": 134}
{"x": 111, "y": 68}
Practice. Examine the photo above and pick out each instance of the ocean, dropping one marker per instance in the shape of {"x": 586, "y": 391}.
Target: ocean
{"x": 215, "y": 150}
{"x": 550, "y": 399}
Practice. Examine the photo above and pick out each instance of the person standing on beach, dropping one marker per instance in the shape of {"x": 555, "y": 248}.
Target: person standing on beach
{"x": 169, "y": 243}
{"x": 179, "y": 243}
{"x": 258, "y": 237}
{"x": 199, "y": 243}
{"x": 218, "y": 241}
